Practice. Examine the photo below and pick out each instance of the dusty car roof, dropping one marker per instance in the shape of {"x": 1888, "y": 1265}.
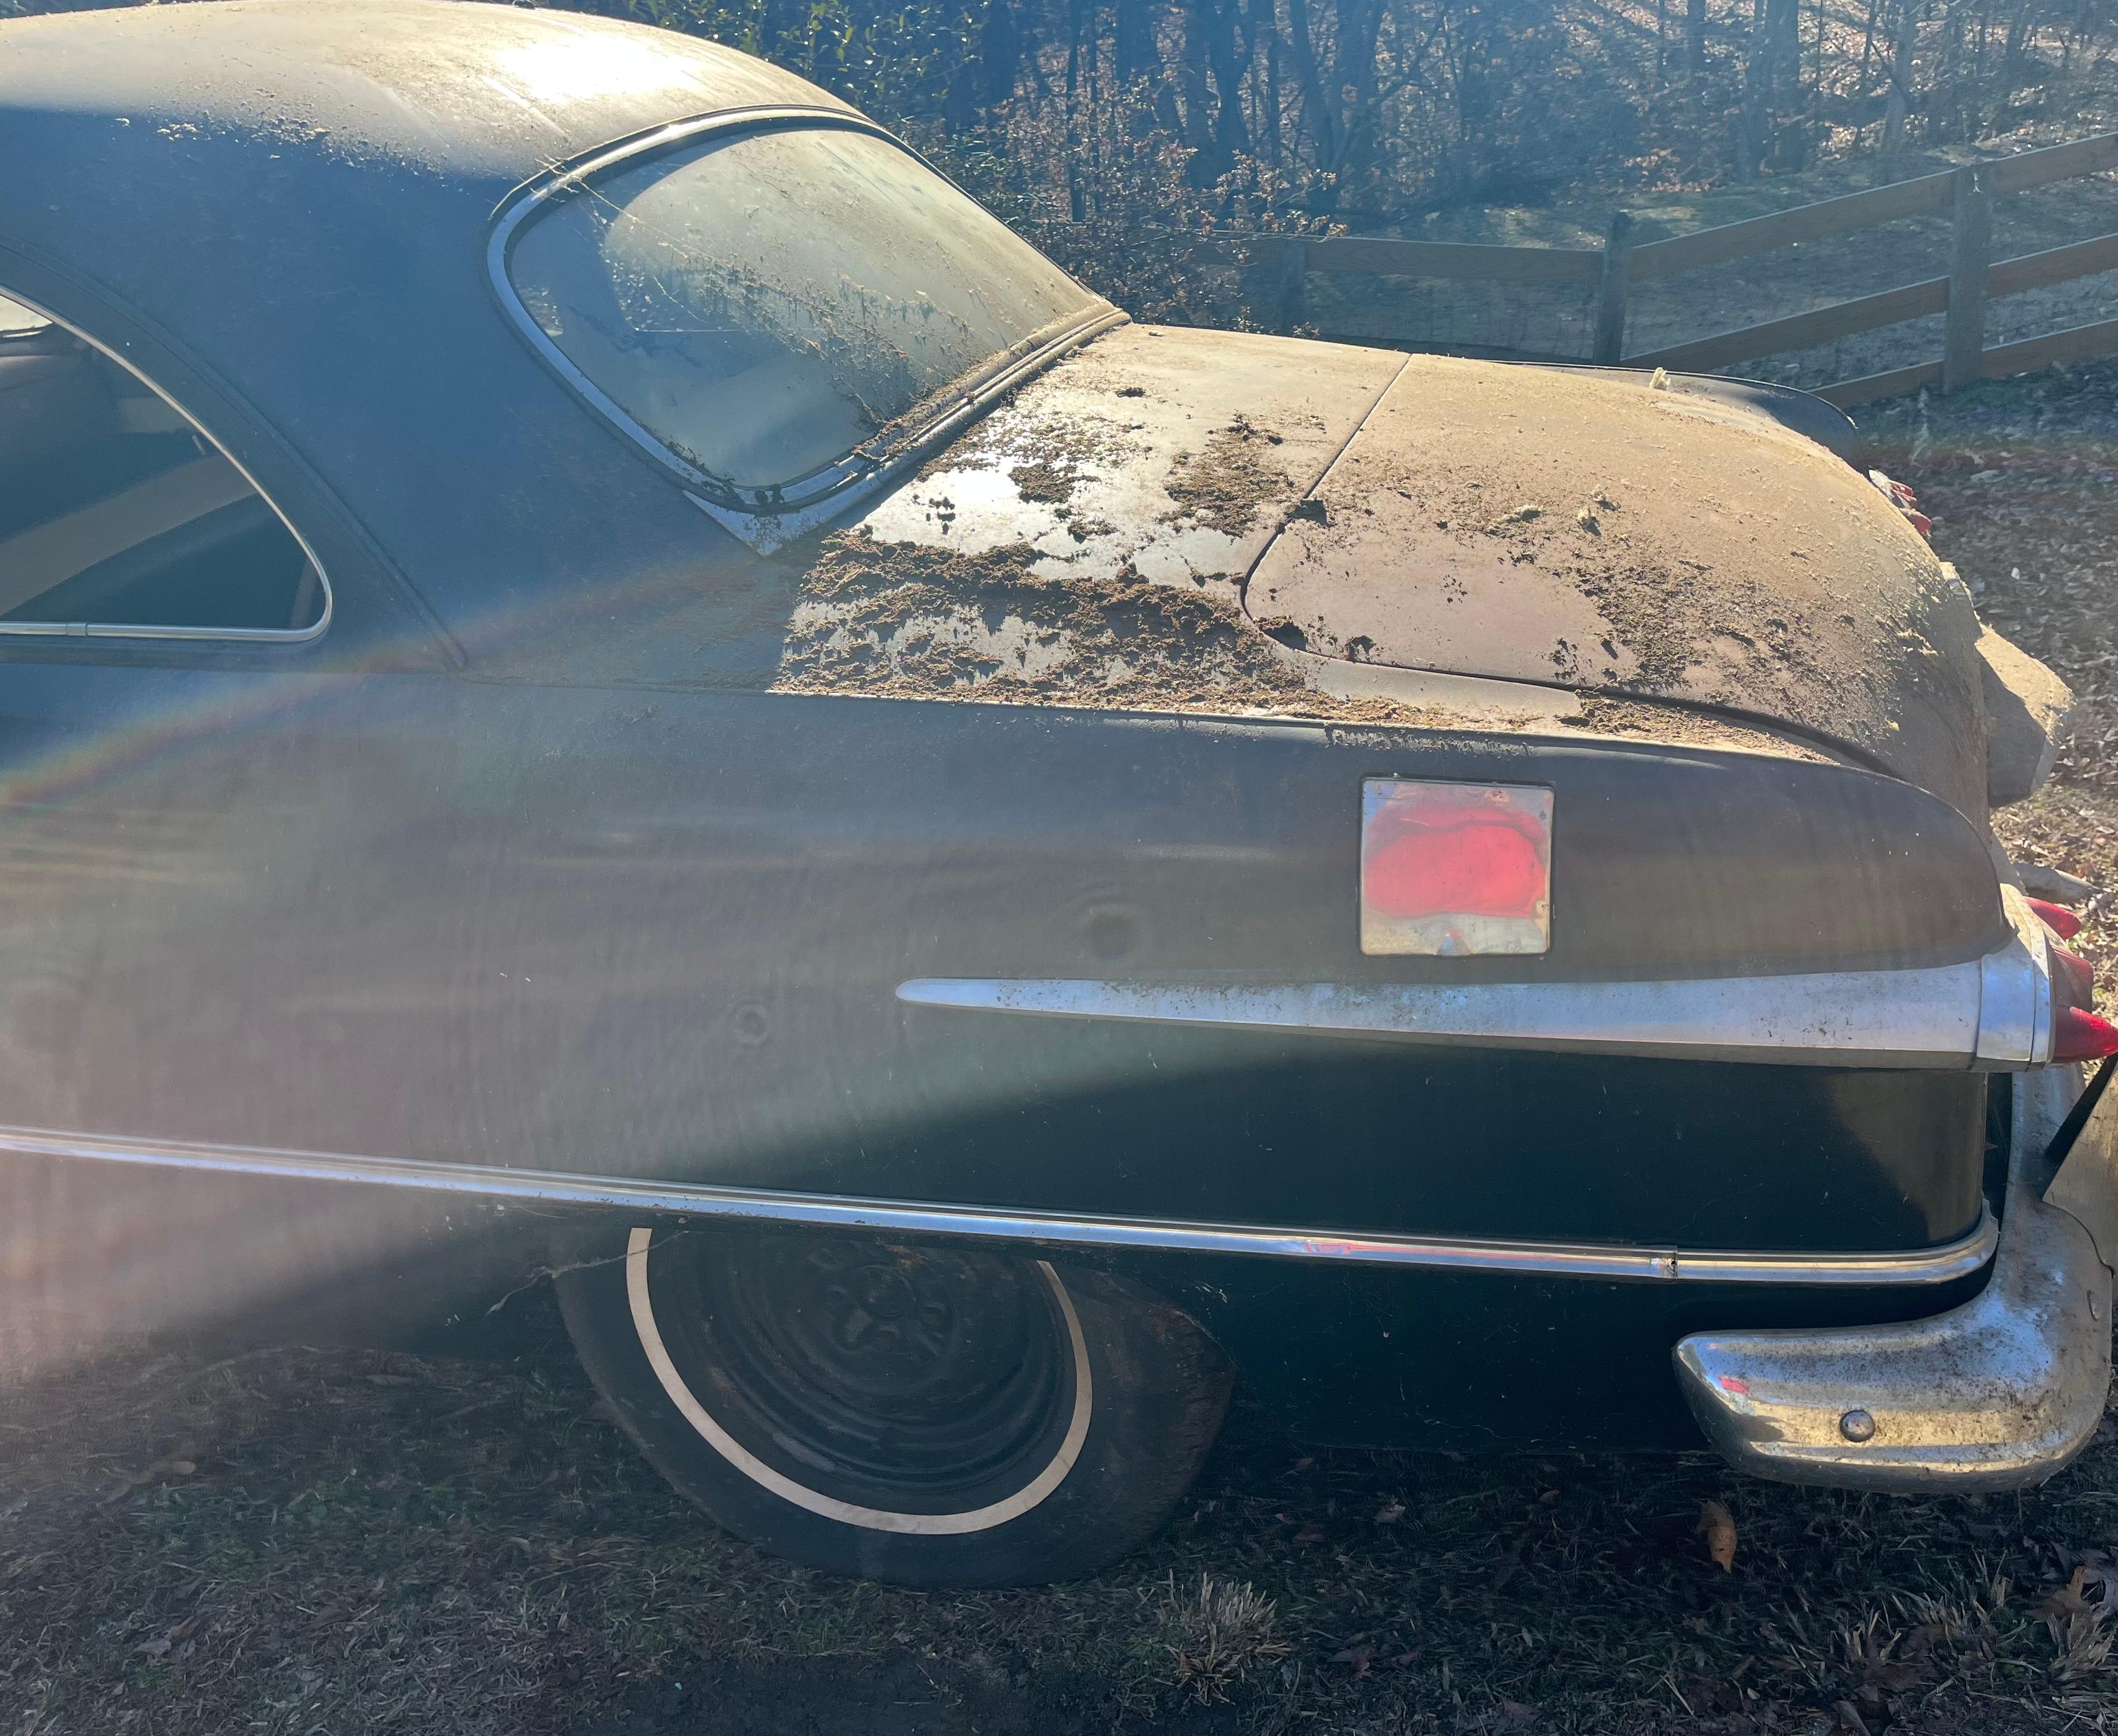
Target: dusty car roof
{"x": 295, "y": 194}
{"x": 483, "y": 96}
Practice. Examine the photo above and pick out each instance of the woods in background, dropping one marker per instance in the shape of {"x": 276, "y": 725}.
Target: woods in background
{"x": 1365, "y": 113}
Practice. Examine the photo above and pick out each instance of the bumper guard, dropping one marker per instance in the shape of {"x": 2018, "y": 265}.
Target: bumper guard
{"x": 1997, "y": 1394}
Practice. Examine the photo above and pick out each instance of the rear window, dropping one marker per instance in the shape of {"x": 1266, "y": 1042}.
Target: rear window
{"x": 778, "y": 309}
{"x": 119, "y": 519}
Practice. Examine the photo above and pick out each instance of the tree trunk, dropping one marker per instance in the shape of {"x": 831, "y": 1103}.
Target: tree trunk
{"x": 1203, "y": 167}
{"x": 1694, "y": 40}
{"x": 1000, "y": 51}
{"x": 1899, "y": 106}
{"x": 1360, "y": 28}
{"x": 2021, "y": 28}
{"x": 1756, "y": 120}
{"x": 1315, "y": 106}
{"x": 1137, "y": 45}
{"x": 1784, "y": 101}
{"x": 1867, "y": 61}
{"x": 1230, "y": 62}
{"x": 1264, "y": 38}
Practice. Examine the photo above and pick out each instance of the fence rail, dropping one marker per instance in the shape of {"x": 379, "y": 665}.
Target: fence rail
{"x": 1974, "y": 278}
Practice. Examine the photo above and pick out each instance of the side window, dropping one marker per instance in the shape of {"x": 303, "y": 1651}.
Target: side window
{"x": 119, "y": 519}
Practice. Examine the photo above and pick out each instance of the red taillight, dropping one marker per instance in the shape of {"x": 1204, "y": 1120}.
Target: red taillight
{"x": 2057, "y": 917}
{"x": 1905, "y": 501}
{"x": 2077, "y": 1035}
{"x": 2081, "y": 1036}
{"x": 1452, "y": 870}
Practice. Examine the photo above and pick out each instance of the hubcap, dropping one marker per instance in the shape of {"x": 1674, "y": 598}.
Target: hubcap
{"x": 917, "y": 1379}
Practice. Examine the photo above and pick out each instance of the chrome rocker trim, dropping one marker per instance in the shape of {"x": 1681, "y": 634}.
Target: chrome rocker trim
{"x": 1955, "y": 1259}
{"x": 1994, "y": 1013}
{"x": 1998, "y": 1393}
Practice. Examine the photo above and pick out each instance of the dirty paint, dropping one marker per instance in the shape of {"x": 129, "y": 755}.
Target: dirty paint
{"x": 1548, "y": 525}
{"x": 1193, "y": 521}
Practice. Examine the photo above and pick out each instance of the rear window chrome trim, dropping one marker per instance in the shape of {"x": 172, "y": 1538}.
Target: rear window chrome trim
{"x": 1610, "y": 1262}
{"x": 766, "y": 532}
{"x": 766, "y": 525}
{"x": 78, "y": 630}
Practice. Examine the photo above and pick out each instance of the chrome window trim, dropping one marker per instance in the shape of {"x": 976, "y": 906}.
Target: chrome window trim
{"x": 209, "y": 635}
{"x": 765, "y": 526}
{"x": 1959, "y": 1258}
{"x": 1990, "y": 1014}
{"x": 765, "y": 533}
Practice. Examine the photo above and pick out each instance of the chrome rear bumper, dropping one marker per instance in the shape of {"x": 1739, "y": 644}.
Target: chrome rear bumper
{"x": 1998, "y": 1393}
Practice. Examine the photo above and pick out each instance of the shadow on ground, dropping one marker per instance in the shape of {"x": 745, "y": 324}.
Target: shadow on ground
{"x": 300, "y": 1540}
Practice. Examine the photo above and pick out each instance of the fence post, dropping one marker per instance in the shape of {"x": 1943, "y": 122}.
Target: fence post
{"x": 1293, "y": 282}
{"x": 1969, "y": 256}
{"x": 1610, "y": 348}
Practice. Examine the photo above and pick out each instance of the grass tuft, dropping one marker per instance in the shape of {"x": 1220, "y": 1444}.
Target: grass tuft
{"x": 1215, "y": 1635}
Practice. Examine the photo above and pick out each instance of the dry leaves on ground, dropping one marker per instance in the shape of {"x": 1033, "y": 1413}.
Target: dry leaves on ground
{"x": 1718, "y": 1528}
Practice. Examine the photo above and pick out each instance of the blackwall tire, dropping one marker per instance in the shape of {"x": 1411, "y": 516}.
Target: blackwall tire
{"x": 931, "y": 1416}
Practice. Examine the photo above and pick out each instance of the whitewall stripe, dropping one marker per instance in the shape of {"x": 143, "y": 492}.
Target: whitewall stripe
{"x": 868, "y": 1518}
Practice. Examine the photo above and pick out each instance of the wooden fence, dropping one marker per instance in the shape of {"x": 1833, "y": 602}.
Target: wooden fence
{"x": 1975, "y": 278}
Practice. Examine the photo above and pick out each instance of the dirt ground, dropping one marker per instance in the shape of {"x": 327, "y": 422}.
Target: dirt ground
{"x": 298, "y": 1540}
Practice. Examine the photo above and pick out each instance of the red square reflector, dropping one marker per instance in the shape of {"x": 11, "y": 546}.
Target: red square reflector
{"x": 1454, "y": 870}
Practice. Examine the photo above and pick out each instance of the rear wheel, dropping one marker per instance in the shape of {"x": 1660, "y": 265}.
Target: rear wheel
{"x": 927, "y": 1414}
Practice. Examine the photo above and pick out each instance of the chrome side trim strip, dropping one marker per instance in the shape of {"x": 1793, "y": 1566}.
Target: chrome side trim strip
{"x": 1877, "y": 1018}
{"x": 1955, "y": 1259}
{"x": 1990, "y": 1014}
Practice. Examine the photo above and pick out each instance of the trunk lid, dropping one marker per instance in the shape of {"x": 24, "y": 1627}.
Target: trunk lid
{"x": 1177, "y": 520}
{"x": 1594, "y": 531}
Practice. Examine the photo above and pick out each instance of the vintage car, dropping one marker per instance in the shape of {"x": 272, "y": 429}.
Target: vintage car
{"x": 594, "y": 651}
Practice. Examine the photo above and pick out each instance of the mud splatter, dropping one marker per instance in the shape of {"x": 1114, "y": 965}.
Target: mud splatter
{"x": 1225, "y": 483}
{"x": 1602, "y": 715}
{"x": 913, "y": 620}
{"x": 1679, "y": 550}
{"x": 1050, "y": 451}
{"x": 1044, "y": 481}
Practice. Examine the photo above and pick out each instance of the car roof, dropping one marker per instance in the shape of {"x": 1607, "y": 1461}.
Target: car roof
{"x": 292, "y": 198}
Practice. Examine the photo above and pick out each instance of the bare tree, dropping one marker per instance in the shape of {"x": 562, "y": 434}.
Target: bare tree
{"x": 1898, "y": 103}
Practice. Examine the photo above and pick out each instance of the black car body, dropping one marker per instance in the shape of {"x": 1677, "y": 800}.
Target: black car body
{"x": 943, "y": 825}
